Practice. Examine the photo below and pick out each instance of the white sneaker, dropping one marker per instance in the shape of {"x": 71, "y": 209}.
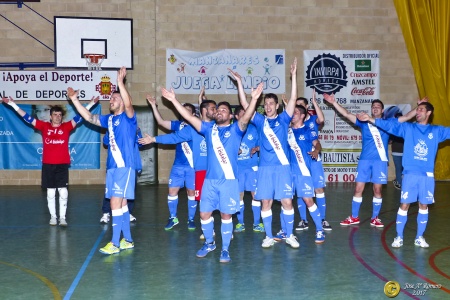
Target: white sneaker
{"x": 105, "y": 218}
{"x": 398, "y": 242}
{"x": 420, "y": 241}
{"x": 268, "y": 242}
{"x": 292, "y": 240}
{"x": 53, "y": 221}
{"x": 132, "y": 218}
{"x": 62, "y": 222}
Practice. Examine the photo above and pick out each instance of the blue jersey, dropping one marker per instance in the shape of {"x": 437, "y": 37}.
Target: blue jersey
{"x": 138, "y": 154}
{"x": 249, "y": 141}
{"x": 369, "y": 149}
{"x": 304, "y": 137}
{"x": 311, "y": 123}
{"x": 421, "y": 143}
{"x": 180, "y": 157}
{"x": 124, "y": 130}
{"x": 279, "y": 125}
{"x": 230, "y": 137}
{"x": 188, "y": 133}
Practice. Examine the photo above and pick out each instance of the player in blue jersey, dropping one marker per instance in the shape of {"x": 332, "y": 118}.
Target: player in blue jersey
{"x": 121, "y": 160}
{"x": 274, "y": 175}
{"x": 372, "y": 165}
{"x": 247, "y": 171}
{"x": 314, "y": 122}
{"x": 419, "y": 154}
{"x": 304, "y": 149}
{"x": 182, "y": 173}
{"x": 220, "y": 190}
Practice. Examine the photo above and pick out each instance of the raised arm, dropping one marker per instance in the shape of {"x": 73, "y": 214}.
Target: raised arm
{"x": 78, "y": 119}
{"x": 202, "y": 96}
{"x": 412, "y": 113}
{"x": 249, "y": 112}
{"x": 332, "y": 100}
{"x": 161, "y": 122}
{"x": 186, "y": 114}
{"x": 242, "y": 96}
{"x": 128, "y": 104}
{"x": 85, "y": 113}
{"x": 320, "y": 117}
{"x": 10, "y": 101}
{"x": 291, "y": 104}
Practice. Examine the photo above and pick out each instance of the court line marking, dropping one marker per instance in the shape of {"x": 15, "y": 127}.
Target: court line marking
{"x": 411, "y": 270}
{"x": 432, "y": 262}
{"x": 53, "y": 288}
{"x": 365, "y": 264}
{"x": 80, "y": 274}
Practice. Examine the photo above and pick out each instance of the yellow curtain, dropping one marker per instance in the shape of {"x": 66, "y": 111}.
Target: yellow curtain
{"x": 426, "y": 28}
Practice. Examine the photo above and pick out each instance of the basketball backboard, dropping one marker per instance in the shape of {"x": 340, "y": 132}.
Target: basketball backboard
{"x": 77, "y": 36}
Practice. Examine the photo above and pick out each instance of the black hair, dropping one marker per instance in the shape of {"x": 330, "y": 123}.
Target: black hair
{"x": 191, "y": 106}
{"x": 428, "y": 106}
{"x": 377, "y": 101}
{"x": 225, "y": 103}
{"x": 205, "y": 103}
{"x": 271, "y": 95}
{"x": 238, "y": 109}
{"x": 302, "y": 99}
{"x": 57, "y": 108}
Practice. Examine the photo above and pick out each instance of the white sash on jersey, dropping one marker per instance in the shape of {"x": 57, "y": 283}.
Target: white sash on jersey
{"x": 186, "y": 149}
{"x": 298, "y": 153}
{"x": 221, "y": 154}
{"x": 275, "y": 143}
{"x": 115, "y": 151}
{"x": 378, "y": 141}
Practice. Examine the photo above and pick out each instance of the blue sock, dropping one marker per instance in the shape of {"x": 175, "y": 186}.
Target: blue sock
{"x": 267, "y": 221}
{"x": 402, "y": 218}
{"x": 256, "y": 208}
{"x": 282, "y": 221}
{"x": 192, "y": 207}
{"x": 321, "y": 204}
{"x": 288, "y": 221}
{"x": 117, "y": 216}
{"x": 422, "y": 220}
{"x": 240, "y": 214}
{"x": 172, "y": 202}
{"x": 208, "y": 229}
{"x": 356, "y": 204}
{"x": 315, "y": 215}
{"x": 376, "y": 206}
{"x": 126, "y": 224}
{"x": 227, "y": 229}
{"x": 301, "y": 208}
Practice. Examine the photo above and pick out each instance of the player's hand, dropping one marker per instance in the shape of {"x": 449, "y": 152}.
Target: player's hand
{"x": 72, "y": 94}
{"x": 151, "y": 100}
{"x": 329, "y": 98}
{"x": 169, "y": 95}
{"x": 147, "y": 139}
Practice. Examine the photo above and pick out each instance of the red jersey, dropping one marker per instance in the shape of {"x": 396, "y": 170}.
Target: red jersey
{"x": 55, "y": 141}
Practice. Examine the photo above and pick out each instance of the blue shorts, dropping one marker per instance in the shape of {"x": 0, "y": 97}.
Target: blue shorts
{"x": 374, "y": 171}
{"x": 317, "y": 174}
{"x": 120, "y": 183}
{"x": 220, "y": 194}
{"x": 303, "y": 186}
{"x": 417, "y": 187}
{"x": 181, "y": 176}
{"x": 274, "y": 182}
{"x": 247, "y": 179}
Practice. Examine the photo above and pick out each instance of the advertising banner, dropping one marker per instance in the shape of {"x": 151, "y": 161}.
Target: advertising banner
{"x": 188, "y": 71}
{"x": 353, "y": 76}
{"x": 52, "y": 85}
{"x": 21, "y": 146}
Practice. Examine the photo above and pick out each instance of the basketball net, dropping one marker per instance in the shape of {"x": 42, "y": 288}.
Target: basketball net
{"x": 94, "y": 61}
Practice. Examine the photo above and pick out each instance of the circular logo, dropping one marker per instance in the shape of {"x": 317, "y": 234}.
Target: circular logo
{"x": 327, "y": 74}
{"x": 392, "y": 289}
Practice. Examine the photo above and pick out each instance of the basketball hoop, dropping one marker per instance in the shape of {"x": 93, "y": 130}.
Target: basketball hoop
{"x": 94, "y": 61}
